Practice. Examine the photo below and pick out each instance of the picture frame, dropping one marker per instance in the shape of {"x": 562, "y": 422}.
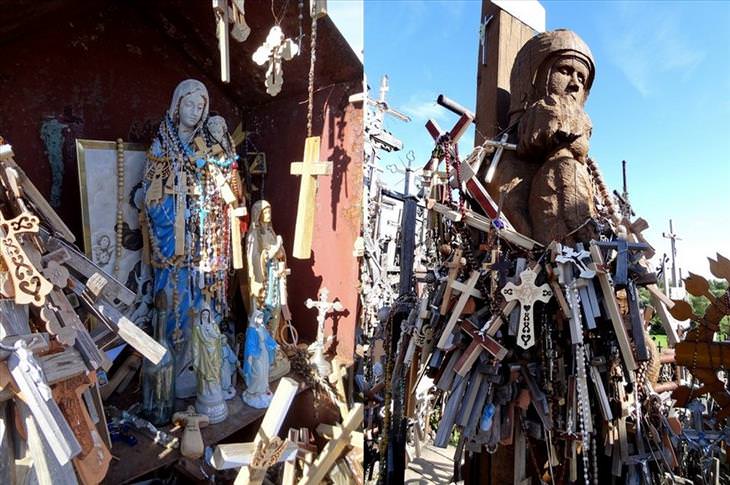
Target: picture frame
{"x": 98, "y": 186}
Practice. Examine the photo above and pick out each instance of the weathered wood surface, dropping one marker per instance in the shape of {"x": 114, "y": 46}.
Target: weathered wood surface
{"x": 147, "y": 456}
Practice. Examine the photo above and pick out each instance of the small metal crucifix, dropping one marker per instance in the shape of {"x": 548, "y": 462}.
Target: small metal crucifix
{"x": 527, "y": 293}
{"x": 272, "y": 52}
{"x": 323, "y": 307}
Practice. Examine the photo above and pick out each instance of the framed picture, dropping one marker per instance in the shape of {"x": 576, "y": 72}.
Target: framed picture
{"x": 99, "y": 173}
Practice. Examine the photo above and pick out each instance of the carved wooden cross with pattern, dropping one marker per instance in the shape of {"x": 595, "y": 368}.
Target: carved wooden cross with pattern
{"x": 28, "y": 284}
{"x": 527, "y": 293}
{"x": 309, "y": 169}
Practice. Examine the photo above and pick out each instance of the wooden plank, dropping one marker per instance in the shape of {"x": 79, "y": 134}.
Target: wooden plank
{"x": 236, "y": 455}
{"x": 36, "y": 393}
{"x": 333, "y": 448}
{"x": 42, "y": 206}
{"x": 36, "y": 342}
{"x": 135, "y": 461}
{"x": 609, "y": 301}
{"x": 47, "y": 468}
{"x": 114, "y": 291}
{"x": 62, "y": 365}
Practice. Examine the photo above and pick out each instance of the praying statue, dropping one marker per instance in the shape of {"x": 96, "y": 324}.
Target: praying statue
{"x": 258, "y": 356}
{"x": 185, "y": 219}
{"x": 207, "y": 353}
{"x": 266, "y": 265}
{"x": 547, "y": 188}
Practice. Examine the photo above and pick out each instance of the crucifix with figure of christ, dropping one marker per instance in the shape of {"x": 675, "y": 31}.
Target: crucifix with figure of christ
{"x": 308, "y": 169}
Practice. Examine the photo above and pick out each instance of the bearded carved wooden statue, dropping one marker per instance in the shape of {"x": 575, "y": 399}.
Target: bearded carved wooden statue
{"x": 554, "y": 197}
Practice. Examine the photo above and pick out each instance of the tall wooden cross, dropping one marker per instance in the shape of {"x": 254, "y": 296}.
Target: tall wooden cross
{"x": 527, "y": 293}
{"x": 28, "y": 284}
{"x": 309, "y": 169}
{"x": 673, "y": 238}
{"x": 467, "y": 290}
{"x": 266, "y": 449}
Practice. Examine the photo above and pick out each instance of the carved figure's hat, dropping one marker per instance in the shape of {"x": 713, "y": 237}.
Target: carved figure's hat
{"x": 535, "y": 56}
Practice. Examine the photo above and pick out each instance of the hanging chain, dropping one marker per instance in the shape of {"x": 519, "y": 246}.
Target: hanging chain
{"x": 310, "y": 90}
{"x": 118, "y": 228}
{"x": 277, "y": 20}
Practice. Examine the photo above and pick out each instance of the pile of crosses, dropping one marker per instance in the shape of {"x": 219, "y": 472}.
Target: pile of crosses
{"x": 544, "y": 350}
{"x": 52, "y": 422}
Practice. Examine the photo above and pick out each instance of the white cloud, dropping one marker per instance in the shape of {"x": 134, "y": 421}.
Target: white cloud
{"x": 650, "y": 44}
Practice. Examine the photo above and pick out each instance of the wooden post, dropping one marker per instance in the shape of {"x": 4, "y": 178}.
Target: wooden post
{"x": 504, "y": 33}
{"x": 309, "y": 169}
{"x": 334, "y": 447}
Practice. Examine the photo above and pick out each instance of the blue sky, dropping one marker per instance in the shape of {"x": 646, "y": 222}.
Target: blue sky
{"x": 660, "y": 100}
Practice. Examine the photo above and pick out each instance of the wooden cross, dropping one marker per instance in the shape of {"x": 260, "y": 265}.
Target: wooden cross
{"x": 37, "y": 395}
{"x": 220, "y": 8}
{"x": 266, "y": 449}
{"x": 180, "y": 191}
{"x": 467, "y": 291}
{"x": 479, "y": 343}
{"x": 527, "y": 293}
{"x": 29, "y": 285}
{"x": 334, "y": 447}
{"x": 275, "y": 49}
{"x": 309, "y": 169}
{"x": 623, "y": 258}
{"x": 611, "y": 306}
{"x": 192, "y": 445}
{"x": 455, "y": 265}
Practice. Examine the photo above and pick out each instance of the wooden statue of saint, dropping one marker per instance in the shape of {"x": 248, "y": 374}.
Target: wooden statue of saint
{"x": 554, "y": 197}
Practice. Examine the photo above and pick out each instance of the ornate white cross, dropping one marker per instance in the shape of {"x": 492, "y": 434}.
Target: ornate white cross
{"x": 323, "y": 308}
{"x": 527, "y": 293}
{"x": 275, "y": 49}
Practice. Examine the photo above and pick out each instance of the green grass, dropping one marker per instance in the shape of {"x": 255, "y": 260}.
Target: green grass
{"x": 661, "y": 340}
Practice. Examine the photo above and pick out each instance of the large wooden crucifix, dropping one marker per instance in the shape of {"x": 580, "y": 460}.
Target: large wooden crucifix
{"x": 309, "y": 169}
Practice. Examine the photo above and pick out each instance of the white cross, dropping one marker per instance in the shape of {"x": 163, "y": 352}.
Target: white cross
{"x": 527, "y": 293}
{"x": 275, "y": 49}
{"x": 266, "y": 445}
{"x": 323, "y": 308}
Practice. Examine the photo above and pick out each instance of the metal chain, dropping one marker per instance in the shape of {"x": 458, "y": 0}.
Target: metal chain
{"x": 310, "y": 89}
{"x": 119, "y": 234}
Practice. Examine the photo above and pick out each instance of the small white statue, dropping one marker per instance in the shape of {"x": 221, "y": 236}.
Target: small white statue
{"x": 257, "y": 358}
{"x": 228, "y": 369}
{"x": 207, "y": 359}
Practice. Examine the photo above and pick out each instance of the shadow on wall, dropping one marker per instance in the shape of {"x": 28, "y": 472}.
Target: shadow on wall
{"x": 340, "y": 159}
